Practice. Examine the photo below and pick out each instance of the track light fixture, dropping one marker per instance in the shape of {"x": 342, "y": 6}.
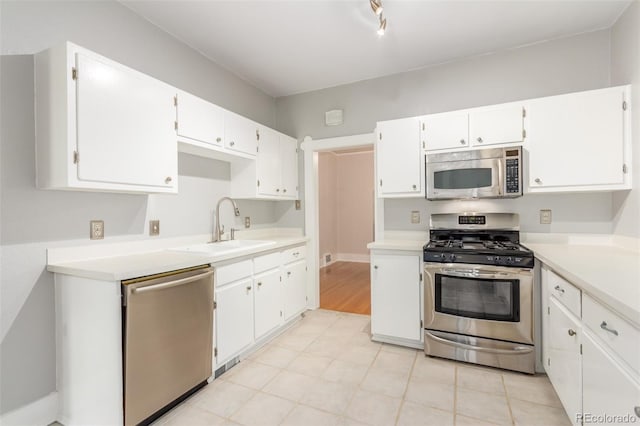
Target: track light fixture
{"x": 376, "y": 6}
{"x": 383, "y": 26}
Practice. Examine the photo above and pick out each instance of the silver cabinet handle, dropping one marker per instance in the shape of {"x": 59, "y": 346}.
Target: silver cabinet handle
{"x": 296, "y": 253}
{"x": 572, "y": 332}
{"x": 168, "y": 179}
{"x": 558, "y": 288}
{"x": 515, "y": 350}
{"x": 610, "y": 330}
{"x": 479, "y": 140}
{"x": 537, "y": 180}
{"x": 218, "y": 139}
{"x": 232, "y": 143}
{"x": 462, "y": 142}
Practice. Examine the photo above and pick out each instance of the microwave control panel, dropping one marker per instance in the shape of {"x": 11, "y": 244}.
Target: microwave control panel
{"x": 512, "y": 176}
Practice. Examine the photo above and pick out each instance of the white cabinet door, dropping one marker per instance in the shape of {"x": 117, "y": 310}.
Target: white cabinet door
{"x": 503, "y": 124}
{"x": 289, "y": 169}
{"x": 125, "y": 132}
{"x": 576, "y": 140}
{"x": 267, "y": 302}
{"x": 607, "y": 389}
{"x": 268, "y": 163}
{"x": 445, "y": 131}
{"x": 234, "y": 318}
{"x": 295, "y": 288}
{"x": 563, "y": 364}
{"x": 395, "y": 296}
{"x": 199, "y": 120}
{"x": 399, "y": 158}
{"x": 241, "y": 134}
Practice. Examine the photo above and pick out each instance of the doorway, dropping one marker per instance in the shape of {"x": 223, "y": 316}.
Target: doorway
{"x": 345, "y": 216}
{"x": 312, "y": 150}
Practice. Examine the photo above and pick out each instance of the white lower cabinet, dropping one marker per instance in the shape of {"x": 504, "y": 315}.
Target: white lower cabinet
{"x": 295, "y": 289}
{"x": 234, "y": 318}
{"x": 396, "y": 297}
{"x": 563, "y": 357}
{"x": 607, "y": 389}
{"x": 268, "y": 302}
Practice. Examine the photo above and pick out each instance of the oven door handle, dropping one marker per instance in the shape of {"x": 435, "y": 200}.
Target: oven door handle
{"x": 473, "y": 273}
{"x": 515, "y": 351}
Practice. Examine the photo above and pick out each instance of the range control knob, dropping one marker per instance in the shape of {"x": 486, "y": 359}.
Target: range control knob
{"x": 509, "y": 260}
{"x": 453, "y": 257}
{"x": 443, "y": 256}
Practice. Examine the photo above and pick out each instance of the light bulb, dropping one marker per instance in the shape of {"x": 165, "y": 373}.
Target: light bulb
{"x": 376, "y": 6}
{"x": 383, "y": 26}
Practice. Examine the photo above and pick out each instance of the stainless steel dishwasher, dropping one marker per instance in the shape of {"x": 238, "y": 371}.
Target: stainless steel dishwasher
{"x": 167, "y": 340}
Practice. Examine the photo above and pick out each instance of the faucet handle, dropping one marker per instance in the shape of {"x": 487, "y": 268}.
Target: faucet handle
{"x": 233, "y": 233}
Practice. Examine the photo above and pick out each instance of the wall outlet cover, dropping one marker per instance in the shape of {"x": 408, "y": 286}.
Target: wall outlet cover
{"x": 415, "y": 216}
{"x": 545, "y": 216}
{"x": 154, "y": 227}
{"x": 247, "y": 222}
{"x": 96, "y": 229}
{"x": 327, "y": 258}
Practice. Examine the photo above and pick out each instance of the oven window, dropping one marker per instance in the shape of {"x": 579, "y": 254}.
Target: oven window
{"x": 497, "y": 300}
{"x": 462, "y": 178}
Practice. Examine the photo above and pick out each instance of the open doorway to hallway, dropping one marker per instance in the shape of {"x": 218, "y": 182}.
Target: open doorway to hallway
{"x": 346, "y": 222}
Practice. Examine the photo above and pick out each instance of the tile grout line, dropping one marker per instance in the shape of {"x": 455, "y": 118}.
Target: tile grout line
{"x": 506, "y": 394}
{"x": 455, "y": 393}
{"x": 406, "y": 388}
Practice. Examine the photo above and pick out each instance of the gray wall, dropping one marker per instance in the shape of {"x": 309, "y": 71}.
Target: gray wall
{"x": 625, "y": 69}
{"x": 562, "y": 66}
{"x": 32, "y": 220}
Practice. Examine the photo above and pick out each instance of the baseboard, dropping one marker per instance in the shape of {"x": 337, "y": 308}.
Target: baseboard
{"x": 41, "y": 412}
{"x": 353, "y": 257}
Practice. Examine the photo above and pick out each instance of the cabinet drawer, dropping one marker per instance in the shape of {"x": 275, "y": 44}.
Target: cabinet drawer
{"x": 623, "y": 338}
{"x": 566, "y": 293}
{"x": 293, "y": 254}
{"x": 266, "y": 262}
{"x": 229, "y": 273}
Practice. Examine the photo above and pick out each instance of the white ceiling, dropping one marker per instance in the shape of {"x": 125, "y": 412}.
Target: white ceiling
{"x": 294, "y": 46}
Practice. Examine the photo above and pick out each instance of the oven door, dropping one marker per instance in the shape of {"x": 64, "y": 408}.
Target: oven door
{"x": 477, "y": 300}
{"x": 480, "y": 178}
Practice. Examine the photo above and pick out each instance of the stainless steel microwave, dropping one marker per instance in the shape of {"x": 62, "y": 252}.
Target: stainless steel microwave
{"x": 484, "y": 173}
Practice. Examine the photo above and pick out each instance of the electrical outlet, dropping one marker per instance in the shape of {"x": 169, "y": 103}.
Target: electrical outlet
{"x": 415, "y": 216}
{"x": 247, "y": 222}
{"x": 96, "y": 229}
{"x": 545, "y": 217}
{"x": 154, "y": 227}
{"x": 298, "y": 207}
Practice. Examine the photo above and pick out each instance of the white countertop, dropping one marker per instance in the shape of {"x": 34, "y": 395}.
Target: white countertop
{"x": 117, "y": 268}
{"x": 391, "y": 244}
{"x": 608, "y": 273}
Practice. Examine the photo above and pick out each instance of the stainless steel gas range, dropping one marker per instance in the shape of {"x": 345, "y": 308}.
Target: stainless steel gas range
{"x": 479, "y": 291}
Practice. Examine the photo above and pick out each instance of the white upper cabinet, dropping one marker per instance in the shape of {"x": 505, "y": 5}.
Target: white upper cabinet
{"x": 199, "y": 120}
{"x": 580, "y": 141}
{"x": 502, "y": 124}
{"x": 268, "y": 163}
{"x": 399, "y": 159}
{"x": 445, "y": 131}
{"x": 289, "y": 171}
{"x": 102, "y": 126}
{"x": 241, "y": 134}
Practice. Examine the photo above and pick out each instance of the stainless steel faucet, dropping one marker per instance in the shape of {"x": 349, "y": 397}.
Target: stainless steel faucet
{"x": 217, "y": 232}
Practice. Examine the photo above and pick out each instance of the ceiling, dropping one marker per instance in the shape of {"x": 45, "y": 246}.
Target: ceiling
{"x": 294, "y": 46}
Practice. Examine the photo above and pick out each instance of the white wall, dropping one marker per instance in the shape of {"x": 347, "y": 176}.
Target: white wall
{"x": 32, "y": 220}
{"x": 625, "y": 69}
{"x": 561, "y": 66}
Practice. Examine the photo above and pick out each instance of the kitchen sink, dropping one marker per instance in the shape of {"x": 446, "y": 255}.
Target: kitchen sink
{"x": 224, "y": 247}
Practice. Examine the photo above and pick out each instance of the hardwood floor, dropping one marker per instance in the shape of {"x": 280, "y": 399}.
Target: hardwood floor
{"x": 346, "y": 287}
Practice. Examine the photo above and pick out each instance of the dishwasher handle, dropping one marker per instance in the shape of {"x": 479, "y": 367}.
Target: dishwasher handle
{"x": 171, "y": 283}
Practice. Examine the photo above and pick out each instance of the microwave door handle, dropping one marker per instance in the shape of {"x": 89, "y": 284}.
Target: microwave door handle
{"x": 471, "y": 273}
{"x": 515, "y": 350}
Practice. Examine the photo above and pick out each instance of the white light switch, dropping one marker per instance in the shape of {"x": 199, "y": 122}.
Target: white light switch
{"x": 415, "y": 216}
{"x": 545, "y": 217}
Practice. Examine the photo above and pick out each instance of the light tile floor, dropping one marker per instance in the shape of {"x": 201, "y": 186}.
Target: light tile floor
{"x": 326, "y": 371}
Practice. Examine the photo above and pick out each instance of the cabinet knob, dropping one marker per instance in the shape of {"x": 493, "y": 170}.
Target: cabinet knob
{"x": 375, "y": 266}
{"x": 248, "y": 288}
{"x": 537, "y": 180}
{"x": 277, "y": 189}
{"x": 414, "y": 186}
{"x": 288, "y": 273}
{"x": 462, "y": 142}
{"x": 284, "y": 190}
{"x": 260, "y": 284}
{"x": 479, "y": 140}
{"x": 218, "y": 139}
{"x": 168, "y": 179}
{"x": 558, "y": 288}
{"x": 232, "y": 143}
{"x": 571, "y": 332}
